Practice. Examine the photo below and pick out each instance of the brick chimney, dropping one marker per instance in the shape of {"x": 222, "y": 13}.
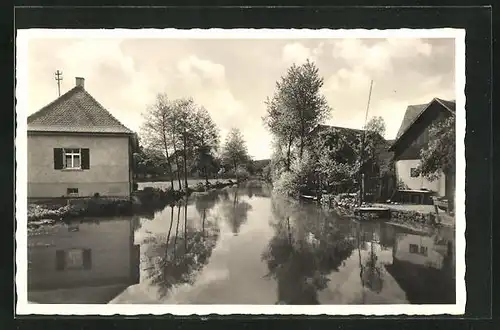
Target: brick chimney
{"x": 80, "y": 82}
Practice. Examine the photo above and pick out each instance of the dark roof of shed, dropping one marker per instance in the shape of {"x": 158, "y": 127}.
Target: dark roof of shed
{"x": 413, "y": 112}
{"x": 337, "y": 128}
{"x": 75, "y": 111}
{"x": 342, "y": 130}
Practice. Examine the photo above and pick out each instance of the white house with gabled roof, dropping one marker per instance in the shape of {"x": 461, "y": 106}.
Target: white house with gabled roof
{"x": 77, "y": 148}
{"x": 412, "y": 137}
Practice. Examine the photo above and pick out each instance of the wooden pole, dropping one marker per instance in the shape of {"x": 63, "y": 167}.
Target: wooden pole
{"x": 58, "y": 78}
{"x": 361, "y": 187}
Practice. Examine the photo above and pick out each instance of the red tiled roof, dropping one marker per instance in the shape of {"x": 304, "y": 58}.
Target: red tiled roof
{"x": 75, "y": 111}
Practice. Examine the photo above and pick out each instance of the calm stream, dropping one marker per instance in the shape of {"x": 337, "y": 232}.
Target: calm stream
{"x": 239, "y": 246}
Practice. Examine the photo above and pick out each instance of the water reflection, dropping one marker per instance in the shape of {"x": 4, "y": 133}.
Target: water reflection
{"x": 171, "y": 261}
{"x": 300, "y": 254}
{"x": 242, "y": 245}
{"x": 235, "y": 210}
{"x": 370, "y": 267}
{"x": 257, "y": 190}
{"x": 423, "y": 267}
{"x": 82, "y": 261}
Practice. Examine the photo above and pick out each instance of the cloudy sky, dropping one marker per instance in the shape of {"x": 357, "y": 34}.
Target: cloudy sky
{"x": 232, "y": 77}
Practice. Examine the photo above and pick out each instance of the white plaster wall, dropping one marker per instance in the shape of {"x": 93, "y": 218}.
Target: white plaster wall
{"x": 109, "y": 166}
{"x": 403, "y": 169}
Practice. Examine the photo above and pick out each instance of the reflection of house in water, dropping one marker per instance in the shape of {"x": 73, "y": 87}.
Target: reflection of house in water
{"x": 423, "y": 269}
{"x": 84, "y": 255}
{"x": 419, "y": 250}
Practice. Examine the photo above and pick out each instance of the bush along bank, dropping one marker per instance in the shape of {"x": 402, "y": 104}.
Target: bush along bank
{"x": 145, "y": 200}
{"x": 92, "y": 207}
{"x": 414, "y": 219}
{"x": 345, "y": 204}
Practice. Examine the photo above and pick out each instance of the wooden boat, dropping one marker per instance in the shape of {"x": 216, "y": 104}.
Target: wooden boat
{"x": 372, "y": 212}
{"x": 310, "y": 198}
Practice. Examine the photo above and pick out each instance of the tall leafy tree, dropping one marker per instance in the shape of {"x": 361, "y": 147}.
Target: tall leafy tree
{"x": 282, "y": 124}
{"x": 174, "y": 138}
{"x": 297, "y": 106}
{"x": 376, "y": 124}
{"x": 186, "y": 131}
{"x": 438, "y": 156}
{"x": 235, "y": 149}
{"x": 375, "y": 146}
{"x": 155, "y": 129}
{"x": 206, "y": 142}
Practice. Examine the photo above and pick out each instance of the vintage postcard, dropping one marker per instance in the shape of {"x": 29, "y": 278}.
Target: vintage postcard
{"x": 244, "y": 171}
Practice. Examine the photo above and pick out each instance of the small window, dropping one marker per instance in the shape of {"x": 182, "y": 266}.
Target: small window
{"x": 73, "y": 259}
{"x": 413, "y": 248}
{"x": 414, "y": 172}
{"x": 423, "y": 250}
{"x": 72, "y": 191}
{"x": 72, "y": 158}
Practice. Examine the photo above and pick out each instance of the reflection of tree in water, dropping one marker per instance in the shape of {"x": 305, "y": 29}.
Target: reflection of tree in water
{"x": 235, "y": 211}
{"x": 204, "y": 204}
{"x": 300, "y": 262}
{"x": 387, "y": 236}
{"x": 255, "y": 189}
{"x": 176, "y": 258}
{"x": 250, "y": 190}
{"x": 370, "y": 270}
{"x": 224, "y": 194}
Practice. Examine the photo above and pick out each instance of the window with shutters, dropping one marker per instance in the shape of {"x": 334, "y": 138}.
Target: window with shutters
{"x": 71, "y": 159}
{"x": 418, "y": 249}
{"x": 73, "y": 259}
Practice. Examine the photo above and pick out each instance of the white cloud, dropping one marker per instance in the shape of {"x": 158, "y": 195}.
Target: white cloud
{"x": 87, "y": 55}
{"x": 379, "y": 56}
{"x": 193, "y": 66}
{"x": 205, "y": 81}
{"x": 298, "y": 53}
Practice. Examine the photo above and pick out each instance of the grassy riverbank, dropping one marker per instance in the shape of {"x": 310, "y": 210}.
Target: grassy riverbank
{"x": 145, "y": 200}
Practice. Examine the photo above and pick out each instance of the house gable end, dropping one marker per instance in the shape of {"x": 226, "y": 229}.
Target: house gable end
{"x": 416, "y": 136}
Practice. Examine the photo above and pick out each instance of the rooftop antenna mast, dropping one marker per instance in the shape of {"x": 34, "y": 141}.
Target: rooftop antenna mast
{"x": 58, "y": 78}
{"x": 362, "y": 181}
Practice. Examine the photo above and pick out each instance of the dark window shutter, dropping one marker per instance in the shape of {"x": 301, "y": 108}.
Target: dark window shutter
{"x": 87, "y": 259}
{"x": 60, "y": 260}
{"x": 85, "y": 159}
{"x": 58, "y": 158}
{"x": 136, "y": 258}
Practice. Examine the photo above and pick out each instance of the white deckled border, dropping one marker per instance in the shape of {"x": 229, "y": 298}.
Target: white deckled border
{"x": 24, "y": 308}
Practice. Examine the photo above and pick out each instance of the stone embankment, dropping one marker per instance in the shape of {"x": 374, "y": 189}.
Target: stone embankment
{"x": 345, "y": 204}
